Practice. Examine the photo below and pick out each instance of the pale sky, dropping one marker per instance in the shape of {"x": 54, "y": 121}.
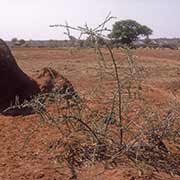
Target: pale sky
{"x": 30, "y": 19}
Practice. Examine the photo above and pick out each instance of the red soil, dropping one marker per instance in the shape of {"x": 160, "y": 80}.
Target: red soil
{"x": 24, "y": 153}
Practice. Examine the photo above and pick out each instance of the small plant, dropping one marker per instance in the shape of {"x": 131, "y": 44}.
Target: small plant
{"x": 127, "y": 126}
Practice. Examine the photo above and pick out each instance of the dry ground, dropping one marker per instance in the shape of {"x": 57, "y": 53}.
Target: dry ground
{"x": 29, "y": 159}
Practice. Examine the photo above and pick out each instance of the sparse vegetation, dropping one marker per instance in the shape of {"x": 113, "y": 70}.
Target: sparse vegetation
{"x": 118, "y": 121}
{"x": 128, "y": 126}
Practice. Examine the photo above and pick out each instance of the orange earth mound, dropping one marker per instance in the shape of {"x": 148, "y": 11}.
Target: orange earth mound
{"x": 24, "y": 153}
{"x": 17, "y": 84}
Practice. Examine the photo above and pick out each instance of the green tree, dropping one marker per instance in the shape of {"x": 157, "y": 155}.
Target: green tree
{"x": 127, "y": 31}
{"x": 22, "y": 41}
{"x": 145, "y": 31}
{"x": 14, "y": 40}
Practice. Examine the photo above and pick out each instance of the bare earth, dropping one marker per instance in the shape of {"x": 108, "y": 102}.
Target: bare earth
{"x": 23, "y": 158}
